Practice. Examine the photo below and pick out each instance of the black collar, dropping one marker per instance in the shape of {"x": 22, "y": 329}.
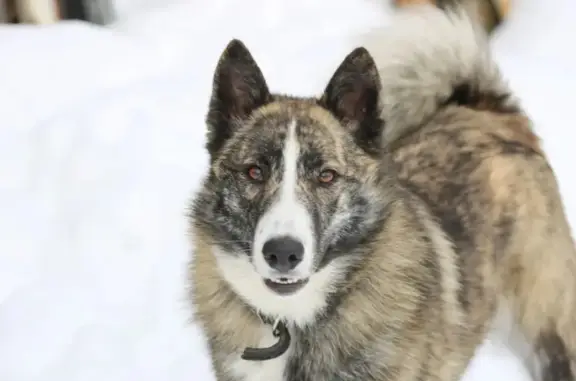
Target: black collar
{"x": 280, "y": 331}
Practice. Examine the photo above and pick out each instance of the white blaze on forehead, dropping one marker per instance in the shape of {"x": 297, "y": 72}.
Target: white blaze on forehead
{"x": 290, "y": 157}
{"x": 287, "y": 215}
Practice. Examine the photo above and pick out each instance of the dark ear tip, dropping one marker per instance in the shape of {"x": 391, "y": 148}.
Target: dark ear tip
{"x": 235, "y": 42}
{"x": 360, "y": 53}
{"x": 236, "y": 49}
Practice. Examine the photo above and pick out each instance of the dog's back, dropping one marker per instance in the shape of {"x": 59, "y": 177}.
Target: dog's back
{"x": 463, "y": 144}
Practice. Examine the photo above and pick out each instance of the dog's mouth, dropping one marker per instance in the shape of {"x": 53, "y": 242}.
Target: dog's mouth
{"x": 285, "y": 286}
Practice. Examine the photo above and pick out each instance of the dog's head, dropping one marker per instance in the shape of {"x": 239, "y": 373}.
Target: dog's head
{"x": 295, "y": 185}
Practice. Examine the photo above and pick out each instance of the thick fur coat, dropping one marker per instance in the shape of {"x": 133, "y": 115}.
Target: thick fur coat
{"x": 385, "y": 222}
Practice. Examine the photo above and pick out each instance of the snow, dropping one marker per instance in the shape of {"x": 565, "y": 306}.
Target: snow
{"x": 101, "y": 147}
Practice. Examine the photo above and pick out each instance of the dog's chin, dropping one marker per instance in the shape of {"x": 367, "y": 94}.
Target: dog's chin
{"x": 285, "y": 286}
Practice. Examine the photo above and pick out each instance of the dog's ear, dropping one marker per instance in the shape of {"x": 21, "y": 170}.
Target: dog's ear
{"x": 352, "y": 96}
{"x": 238, "y": 89}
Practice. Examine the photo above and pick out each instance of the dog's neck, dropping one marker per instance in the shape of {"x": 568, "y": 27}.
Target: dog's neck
{"x": 280, "y": 331}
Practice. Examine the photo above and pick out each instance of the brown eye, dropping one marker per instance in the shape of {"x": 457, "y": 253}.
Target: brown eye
{"x": 255, "y": 173}
{"x": 327, "y": 176}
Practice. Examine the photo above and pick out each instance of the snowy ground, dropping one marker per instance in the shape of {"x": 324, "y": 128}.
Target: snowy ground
{"x": 101, "y": 146}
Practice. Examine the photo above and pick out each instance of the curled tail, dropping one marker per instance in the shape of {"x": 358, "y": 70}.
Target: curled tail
{"x": 428, "y": 58}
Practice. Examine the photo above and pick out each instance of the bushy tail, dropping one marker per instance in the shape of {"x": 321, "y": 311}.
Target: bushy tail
{"x": 428, "y": 58}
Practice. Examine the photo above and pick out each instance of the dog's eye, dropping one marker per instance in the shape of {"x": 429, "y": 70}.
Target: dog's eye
{"x": 327, "y": 176}
{"x": 255, "y": 173}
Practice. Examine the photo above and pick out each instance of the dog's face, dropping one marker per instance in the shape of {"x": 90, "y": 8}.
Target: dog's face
{"x": 295, "y": 184}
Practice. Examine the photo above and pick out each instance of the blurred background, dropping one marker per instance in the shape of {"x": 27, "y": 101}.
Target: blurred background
{"x": 101, "y": 147}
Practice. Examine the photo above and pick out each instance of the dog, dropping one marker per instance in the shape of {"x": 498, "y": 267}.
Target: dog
{"x": 374, "y": 232}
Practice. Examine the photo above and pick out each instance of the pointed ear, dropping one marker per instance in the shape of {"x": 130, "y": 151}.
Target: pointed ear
{"x": 238, "y": 89}
{"x": 352, "y": 95}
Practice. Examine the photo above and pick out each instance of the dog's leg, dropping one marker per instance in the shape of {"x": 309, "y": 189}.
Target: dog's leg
{"x": 539, "y": 262}
{"x": 545, "y": 301}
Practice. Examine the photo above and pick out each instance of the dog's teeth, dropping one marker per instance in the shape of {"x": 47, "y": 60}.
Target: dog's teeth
{"x": 286, "y": 281}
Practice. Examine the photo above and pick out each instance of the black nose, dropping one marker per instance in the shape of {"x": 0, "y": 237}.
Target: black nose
{"x": 283, "y": 253}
